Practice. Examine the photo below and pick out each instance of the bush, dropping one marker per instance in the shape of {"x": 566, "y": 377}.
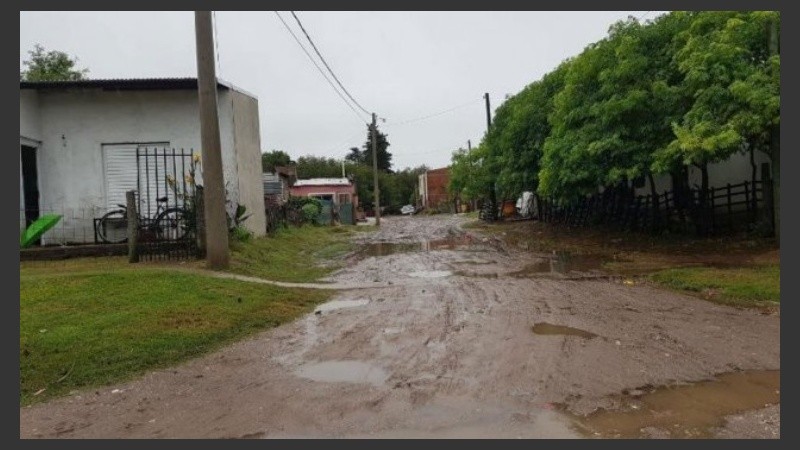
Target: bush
{"x": 310, "y": 207}
{"x": 241, "y": 234}
{"x": 311, "y": 212}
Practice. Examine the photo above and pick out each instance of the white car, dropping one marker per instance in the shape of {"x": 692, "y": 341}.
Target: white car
{"x": 408, "y": 210}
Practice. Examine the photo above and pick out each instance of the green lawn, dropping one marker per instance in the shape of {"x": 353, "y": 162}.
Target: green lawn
{"x": 740, "y": 286}
{"x": 92, "y": 322}
{"x": 298, "y": 255}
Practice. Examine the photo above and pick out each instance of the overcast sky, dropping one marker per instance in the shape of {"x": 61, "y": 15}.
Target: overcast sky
{"x": 402, "y": 65}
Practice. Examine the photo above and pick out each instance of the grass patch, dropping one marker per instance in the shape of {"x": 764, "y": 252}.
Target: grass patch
{"x": 86, "y": 326}
{"x": 297, "y": 255}
{"x": 741, "y": 286}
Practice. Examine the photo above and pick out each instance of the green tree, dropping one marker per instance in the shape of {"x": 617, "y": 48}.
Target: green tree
{"x": 270, "y": 160}
{"x": 310, "y": 166}
{"x": 356, "y": 156}
{"x": 384, "y": 157}
{"x": 50, "y": 65}
{"x": 734, "y": 79}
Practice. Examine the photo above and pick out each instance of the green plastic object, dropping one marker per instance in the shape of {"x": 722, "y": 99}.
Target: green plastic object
{"x": 37, "y": 229}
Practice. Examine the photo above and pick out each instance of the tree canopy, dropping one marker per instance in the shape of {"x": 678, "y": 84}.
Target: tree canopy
{"x": 50, "y": 65}
{"x": 274, "y": 158}
{"x": 687, "y": 88}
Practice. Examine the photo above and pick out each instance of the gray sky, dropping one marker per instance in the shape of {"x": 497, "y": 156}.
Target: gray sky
{"x": 402, "y": 65}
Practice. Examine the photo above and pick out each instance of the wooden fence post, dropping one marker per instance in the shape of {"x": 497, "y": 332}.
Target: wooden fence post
{"x": 133, "y": 227}
{"x": 712, "y": 212}
{"x": 730, "y": 209}
{"x": 200, "y": 220}
{"x": 766, "y": 195}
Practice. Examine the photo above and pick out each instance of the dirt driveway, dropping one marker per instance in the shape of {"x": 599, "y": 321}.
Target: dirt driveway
{"x": 456, "y": 341}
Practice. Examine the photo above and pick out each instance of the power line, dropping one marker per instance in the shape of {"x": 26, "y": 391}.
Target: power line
{"x": 429, "y": 116}
{"x": 326, "y": 63}
{"x": 361, "y": 119}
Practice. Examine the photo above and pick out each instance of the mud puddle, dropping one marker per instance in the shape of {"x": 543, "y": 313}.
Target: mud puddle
{"x": 563, "y": 262}
{"x": 544, "y": 328}
{"x": 430, "y": 274}
{"x": 377, "y": 249}
{"x": 688, "y": 411}
{"x": 343, "y": 372}
{"x": 339, "y": 304}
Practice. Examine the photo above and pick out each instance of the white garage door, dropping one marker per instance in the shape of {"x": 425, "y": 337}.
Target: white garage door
{"x": 121, "y": 172}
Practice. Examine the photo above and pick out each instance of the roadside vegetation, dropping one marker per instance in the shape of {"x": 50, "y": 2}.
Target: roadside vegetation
{"x": 734, "y": 270}
{"x": 298, "y": 255}
{"x": 96, "y": 321}
{"x": 754, "y": 286}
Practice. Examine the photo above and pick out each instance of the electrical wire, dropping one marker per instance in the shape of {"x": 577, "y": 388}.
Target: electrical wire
{"x": 361, "y": 119}
{"x": 316, "y": 50}
{"x": 436, "y": 114}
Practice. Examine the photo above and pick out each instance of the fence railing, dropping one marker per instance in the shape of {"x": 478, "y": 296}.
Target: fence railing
{"x": 732, "y": 207}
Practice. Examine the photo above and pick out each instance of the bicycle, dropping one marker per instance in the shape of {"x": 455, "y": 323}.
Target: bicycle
{"x": 169, "y": 224}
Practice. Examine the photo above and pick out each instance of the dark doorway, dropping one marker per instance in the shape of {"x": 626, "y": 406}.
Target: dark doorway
{"x": 30, "y": 184}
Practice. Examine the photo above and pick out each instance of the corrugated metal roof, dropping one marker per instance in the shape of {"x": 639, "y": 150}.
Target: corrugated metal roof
{"x": 272, "y": 183}
{"x": 323, "y": 182}
{"x": 126, "y": 84}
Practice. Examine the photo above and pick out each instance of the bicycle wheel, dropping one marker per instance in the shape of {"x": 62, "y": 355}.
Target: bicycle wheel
{"x": 113, "y": 227}
{"x": 171, "y": 224}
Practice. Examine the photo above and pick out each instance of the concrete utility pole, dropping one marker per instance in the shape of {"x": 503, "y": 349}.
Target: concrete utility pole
{"x": 213, "y": 184}
{"x": 377, "y": 190}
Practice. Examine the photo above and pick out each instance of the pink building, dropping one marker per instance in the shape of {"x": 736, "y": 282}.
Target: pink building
{"x": 337, "y": 190}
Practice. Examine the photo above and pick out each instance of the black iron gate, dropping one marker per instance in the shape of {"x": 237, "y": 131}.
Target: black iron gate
{"x": 166, "y": 203}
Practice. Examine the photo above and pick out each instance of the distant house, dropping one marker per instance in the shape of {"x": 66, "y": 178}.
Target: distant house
{"x": 433, "y": 188}
{"x": 336, "y": 190}
{"x": 81, "y": 142}
{"x": 276, "y": 188}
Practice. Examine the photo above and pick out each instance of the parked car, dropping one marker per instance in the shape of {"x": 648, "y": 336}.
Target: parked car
{"x": 408, "y": 210}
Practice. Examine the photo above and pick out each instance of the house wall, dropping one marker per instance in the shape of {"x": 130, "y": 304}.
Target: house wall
{"x": 436, "y": 187}
{"x": 735, "y": 170}
{"x": 305, "y": 191}
{"x": 29, "y": 117}
{"x": 423, "y": 189}
{"x": 76, "y": 123}
{"x": 247, "y": 142}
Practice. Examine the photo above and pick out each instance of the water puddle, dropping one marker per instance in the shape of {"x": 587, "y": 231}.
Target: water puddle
{"x": 460, "y": 242}
{"x": 465, "y": 273}
{"x": 563, "y": 262}
{"x": 430, "y": 274}
{"x": 339, "y": 304}
{"x": 688, "y": 411}
{"x": 544, "y": 328}
{"x": 343, "y": 372}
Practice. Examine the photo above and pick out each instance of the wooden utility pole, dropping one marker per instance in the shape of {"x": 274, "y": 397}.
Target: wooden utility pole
{"x": 216, "y": 220}
{"x": 488, "y": 112}
{"x": 133, "y": 227}
{"x": 492, "y": 193}
{"x": 377, "y": 190}
{"x": 775, "y": 145}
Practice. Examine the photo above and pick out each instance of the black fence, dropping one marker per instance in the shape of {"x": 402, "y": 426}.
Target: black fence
{"x": 166, "y": 204}
{"x": 282, "y": 215}
{"x": 743, "y": 206}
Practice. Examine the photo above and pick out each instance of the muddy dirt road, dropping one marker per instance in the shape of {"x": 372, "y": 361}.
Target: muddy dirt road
{"x": 457, "y": 340}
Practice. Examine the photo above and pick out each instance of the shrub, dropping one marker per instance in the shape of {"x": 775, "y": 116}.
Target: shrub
{"x": 311, "y": 212}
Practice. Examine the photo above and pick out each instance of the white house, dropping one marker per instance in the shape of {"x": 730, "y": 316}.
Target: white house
{"x": 79, "y": 141}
